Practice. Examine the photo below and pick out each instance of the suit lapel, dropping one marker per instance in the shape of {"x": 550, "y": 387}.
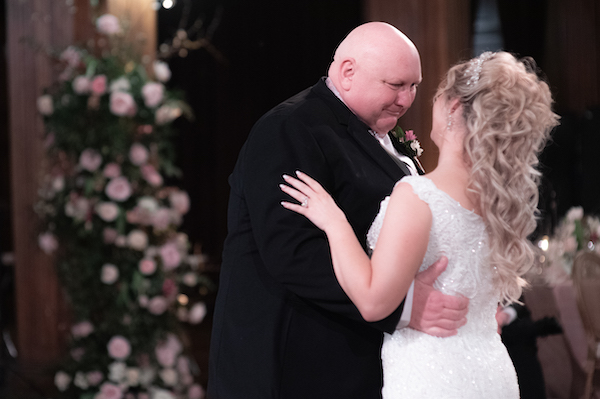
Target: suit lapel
{"x": 359, "y": 131}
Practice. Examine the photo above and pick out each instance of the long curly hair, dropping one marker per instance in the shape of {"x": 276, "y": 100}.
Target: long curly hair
{"x": 508, "y": 117}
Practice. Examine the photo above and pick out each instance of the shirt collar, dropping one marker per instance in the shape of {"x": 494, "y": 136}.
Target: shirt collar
{"x": 335, "y": 91}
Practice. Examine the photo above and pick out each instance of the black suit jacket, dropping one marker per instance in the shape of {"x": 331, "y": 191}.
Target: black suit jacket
{"x": 283, "y": 327}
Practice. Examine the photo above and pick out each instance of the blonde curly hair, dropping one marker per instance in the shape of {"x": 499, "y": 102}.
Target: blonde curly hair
{"x": 508, "y": 118}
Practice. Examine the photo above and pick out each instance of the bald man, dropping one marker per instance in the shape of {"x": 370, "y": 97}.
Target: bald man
{"x": 283, "y": 327}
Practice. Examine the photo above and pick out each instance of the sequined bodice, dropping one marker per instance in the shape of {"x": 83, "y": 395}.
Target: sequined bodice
{"x": 474, "y": 363}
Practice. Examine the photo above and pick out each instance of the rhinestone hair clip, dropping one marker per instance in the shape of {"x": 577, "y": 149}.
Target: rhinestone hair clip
{"x": 474, "y": 69}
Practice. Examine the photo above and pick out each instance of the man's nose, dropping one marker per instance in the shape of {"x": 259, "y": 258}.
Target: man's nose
{"x": 405, "y": 98}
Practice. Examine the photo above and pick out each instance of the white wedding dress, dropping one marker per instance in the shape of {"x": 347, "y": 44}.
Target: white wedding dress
{"x": 473, "y": 364}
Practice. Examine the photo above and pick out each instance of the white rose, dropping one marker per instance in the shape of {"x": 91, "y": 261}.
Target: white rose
{"x": 58, "y": 183}
{"x": 48, "y": 242}
{"x": 161, "y": 71}
{"x": 109, "y": 273}
{"x": 166, "y": 114}
{"x": 575, "y": 213}
{"x": 81, "y": 380}
{"x": 190, "y": 279}
{"x": 120, "y": 84}
{"x": 45, "y": 105}
{"x": 108, "y": 24}
{"x": 132, "y": 375}
{"x": 197, "y": 313}
{"x": 137, "y": 239}
{"x": 162, "y": 394}
{"x": 149, "y": 204}
{"x": 116, "y": 371}
{"x": 62, "y": 380}
{"x": 153, "y": 93}
{"x": 108, "y": 211}
{"x": 169, "y": 376}
{"x": 81, "y": 85}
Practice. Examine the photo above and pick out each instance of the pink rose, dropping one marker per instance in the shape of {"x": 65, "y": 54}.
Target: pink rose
{"x": 48, "y": 242}
{"x": 138, "y": 154}
{"x": 77, "y": 354}
{"x": 143, "y": 301}
{"x": 410, "y": 135}
{"x": 118, "y": 189}
{"x": 112, "y": 170}
{"x": 186, "y": 379}
{"x": 195, "y": 392}
{"x": 118, "y": 347}
{"x": 90, "y": 159}
{"x": 109, "y": 274}
{"x": 169, "y": 288}
{"x": 109, "y": 235}
{"x": 147, "y": 266}
{"x": 153, "y": 94}
{"x": 110, "y": 391}
{"x": 157, "y": 305}
{"x": 145, "y": 129}
{"x": 122, "y": 104}
{"x": 171, "y": 258}
{"x": 197, "y": 313}
{"x": 161, "y": 219}
{"x": 183, "y": 365}
{"x": 180, "y": 201}
{"x": 150, "y": 174}
{"x": 82, "y": 329}
{"x": 98, "y": 85}
{"x": 45, "y": 105}
{"x": 108, "y": 24}
{"x": 166, "y": 351}
{"x": 81, "y": 85}
{"x": 71, "y": 56}
{"x": 94, "y": 377}
{"x": 165, "y": 356}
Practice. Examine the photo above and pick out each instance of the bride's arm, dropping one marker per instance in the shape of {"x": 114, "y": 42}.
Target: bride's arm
{"x": 378, "y": 285}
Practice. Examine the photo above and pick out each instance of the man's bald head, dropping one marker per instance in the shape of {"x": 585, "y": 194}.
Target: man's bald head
{"x": 373, "y": 57}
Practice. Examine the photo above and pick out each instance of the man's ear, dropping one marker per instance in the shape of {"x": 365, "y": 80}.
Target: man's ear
{"x": 347, "y": 70}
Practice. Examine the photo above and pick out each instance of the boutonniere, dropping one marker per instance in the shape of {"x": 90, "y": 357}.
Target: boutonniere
{"x": 408, "y": 140}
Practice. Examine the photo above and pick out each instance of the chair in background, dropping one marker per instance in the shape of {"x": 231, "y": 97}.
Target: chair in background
{"x": 586, "y": 280}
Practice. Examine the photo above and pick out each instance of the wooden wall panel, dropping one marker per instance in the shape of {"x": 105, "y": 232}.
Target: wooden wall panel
{"x": 40, "y": 308}
{"x": 573, "y": 54}
{"x": 441, "y": 31}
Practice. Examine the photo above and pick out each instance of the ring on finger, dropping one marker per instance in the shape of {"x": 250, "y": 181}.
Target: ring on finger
{"x": 304, "y": 203}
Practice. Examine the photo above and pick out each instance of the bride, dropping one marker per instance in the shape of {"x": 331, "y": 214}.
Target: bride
{"x": 491, "y": 118}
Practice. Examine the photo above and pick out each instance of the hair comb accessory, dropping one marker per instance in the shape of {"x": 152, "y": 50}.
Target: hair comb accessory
{"x": 474, "y": 69}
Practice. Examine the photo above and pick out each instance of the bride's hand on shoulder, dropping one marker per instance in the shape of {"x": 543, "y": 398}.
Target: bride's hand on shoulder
{"x": 313, "y": 201}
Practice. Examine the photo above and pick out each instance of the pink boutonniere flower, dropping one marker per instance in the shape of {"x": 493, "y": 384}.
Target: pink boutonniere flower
{"x": 408, "y": 140}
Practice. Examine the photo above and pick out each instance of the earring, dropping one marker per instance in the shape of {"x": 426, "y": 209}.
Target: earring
{"x": 449, "y": 125}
